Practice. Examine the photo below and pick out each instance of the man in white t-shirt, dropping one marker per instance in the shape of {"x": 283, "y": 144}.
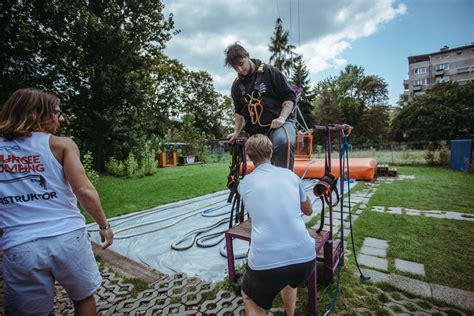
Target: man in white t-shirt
{"x": 282, "y": 253}
{"x": 44, "y": 234}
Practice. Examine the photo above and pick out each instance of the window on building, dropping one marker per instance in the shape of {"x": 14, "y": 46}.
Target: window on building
{"x": 463, "y": 70}
{"x": 442, "y": 79}
{"x": 420, "y": 70}
{"x": 442, "y": 66}
{"x": 420, "y": 82}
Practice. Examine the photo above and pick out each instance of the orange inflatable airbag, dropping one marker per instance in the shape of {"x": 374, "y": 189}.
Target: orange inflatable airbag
{"x": 360, "y": 168}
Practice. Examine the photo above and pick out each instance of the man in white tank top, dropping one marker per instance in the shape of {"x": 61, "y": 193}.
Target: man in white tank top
{"x": 44, "y": 237}
{"x": 282, "y": 253}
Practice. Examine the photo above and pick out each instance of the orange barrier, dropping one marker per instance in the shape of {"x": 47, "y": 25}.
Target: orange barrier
{"x": 168, "y": 159}
{"x": 360, "y": 168}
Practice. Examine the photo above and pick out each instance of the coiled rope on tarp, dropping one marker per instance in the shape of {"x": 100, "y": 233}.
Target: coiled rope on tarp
{"x": 130, "y": 217}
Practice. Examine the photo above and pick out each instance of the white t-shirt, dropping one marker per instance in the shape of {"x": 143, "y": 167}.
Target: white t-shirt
{"x": 36, "y": 201}
{"x": 272, "y": 196}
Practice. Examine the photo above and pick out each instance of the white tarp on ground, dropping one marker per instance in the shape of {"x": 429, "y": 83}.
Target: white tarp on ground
{"x": 147, "y": 236}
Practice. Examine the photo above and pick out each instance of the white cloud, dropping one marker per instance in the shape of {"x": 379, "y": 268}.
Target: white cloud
{"x": 326, "y": 30}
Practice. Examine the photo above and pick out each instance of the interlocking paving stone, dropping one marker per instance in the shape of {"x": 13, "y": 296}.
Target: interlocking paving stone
{"x": 409, "y": 266}
{"x": 378, "y": 252}
{"x": 375, "y": 243}
{"x": 373, "y": 262}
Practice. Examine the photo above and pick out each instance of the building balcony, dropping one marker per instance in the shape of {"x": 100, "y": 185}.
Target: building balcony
{"x": 439, "y": 72}
{"x": 406, "y": 84}
{"x": 417, "y": 88}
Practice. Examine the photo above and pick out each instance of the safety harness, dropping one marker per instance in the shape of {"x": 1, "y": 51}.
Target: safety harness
{"x": 238, "y": 169}
{"x": 253, "y": 99}
{"x": 324, "y": 188}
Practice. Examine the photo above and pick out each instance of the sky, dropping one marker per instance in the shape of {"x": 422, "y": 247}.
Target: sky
{"x": 378, "y": 35}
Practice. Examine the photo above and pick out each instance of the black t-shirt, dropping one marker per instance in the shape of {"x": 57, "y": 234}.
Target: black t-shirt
{"x": 274, "y": 90}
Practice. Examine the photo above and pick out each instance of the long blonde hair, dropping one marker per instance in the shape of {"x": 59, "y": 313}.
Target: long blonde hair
{"x": 27, "y": 110}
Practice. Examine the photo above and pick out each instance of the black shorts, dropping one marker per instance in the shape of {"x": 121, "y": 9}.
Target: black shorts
{"x": 263, "y": 285}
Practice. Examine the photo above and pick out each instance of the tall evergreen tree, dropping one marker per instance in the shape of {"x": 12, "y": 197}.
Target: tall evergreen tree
{"x": 281, "y": 49}
{"x": 300, "y": 78}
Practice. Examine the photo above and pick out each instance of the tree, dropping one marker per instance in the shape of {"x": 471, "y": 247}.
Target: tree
{"x": 445, "y": 112}
{"x": 281, "y": 49}
{"x": 355, "y": 93}
{"x": 300, "y": 78}
{"x": 96, "y": 55}
{"x": 207, "y": 106}
{"x": 375, "y": 124}
{"x": 326, "y": 108}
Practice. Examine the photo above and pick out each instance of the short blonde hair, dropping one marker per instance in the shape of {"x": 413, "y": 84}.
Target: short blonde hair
{"x": 259, "y": 148}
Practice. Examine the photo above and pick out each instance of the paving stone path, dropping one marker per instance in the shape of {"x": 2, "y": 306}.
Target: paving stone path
{"x": 373, "y": 255}
{"x": 426, "y": 213}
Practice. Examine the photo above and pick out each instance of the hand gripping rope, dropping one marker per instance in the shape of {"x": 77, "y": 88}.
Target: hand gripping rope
{"x": 344, "y": 158}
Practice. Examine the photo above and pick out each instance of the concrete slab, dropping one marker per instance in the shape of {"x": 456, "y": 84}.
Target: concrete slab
{"x": 354, "y": 217}
{"x": 435, "y": 215}
{"x": 376, "y": 243}
{"x": 373, "y": 262}
{"x": 379, "y": 209}
{"x": 459, "y": 216}
{"x": 412, "y": 286}
{"x": 371, "y": 251}
{"x": 410, "y": 267}
{"x": 363, "y": 206}
{"x": 435, "y": 212}
{"x": 394, "y": 210}
{"x": 461, "y": 298}
{"x": 376, "y": 276}
{"x": 412, "y": 212}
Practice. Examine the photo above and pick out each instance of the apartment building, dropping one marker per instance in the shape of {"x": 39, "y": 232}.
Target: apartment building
{"x": 456, "y": 64}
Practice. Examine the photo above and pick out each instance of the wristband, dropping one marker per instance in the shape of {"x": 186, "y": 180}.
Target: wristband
{"x": 107, "y": 226}
{"x": 282, "y": 117}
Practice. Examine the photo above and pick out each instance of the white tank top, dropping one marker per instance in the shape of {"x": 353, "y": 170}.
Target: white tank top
{"x": 36, "y": 201}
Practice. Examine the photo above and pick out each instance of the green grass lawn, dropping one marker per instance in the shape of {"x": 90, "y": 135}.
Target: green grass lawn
{"x": 433, "y": 189}
{"x": 126, "y": 195}
{"x": 443, "y": 246}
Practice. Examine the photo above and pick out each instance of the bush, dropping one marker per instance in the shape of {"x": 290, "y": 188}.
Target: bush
{"x": 115, "y": 167}
{"x": 88, "y": 162}
{"x": 148, "y": 166}
{"x": 444, "y": 156}
{"x": 131, "y": 165}
{"x": 437, "y": 157}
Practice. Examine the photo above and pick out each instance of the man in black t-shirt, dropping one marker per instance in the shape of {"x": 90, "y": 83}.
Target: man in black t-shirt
{"x": 263, "y": 104}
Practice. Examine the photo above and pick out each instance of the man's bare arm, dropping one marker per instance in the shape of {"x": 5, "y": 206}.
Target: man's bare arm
{"x": 239, "y": 123}
{"x": 80, "y": 184}
{"x": 286, "y": 108}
